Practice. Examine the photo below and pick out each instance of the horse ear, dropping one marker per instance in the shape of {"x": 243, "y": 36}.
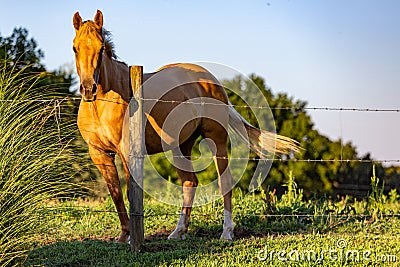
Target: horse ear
{"x": 77, "y": 21}
{"x": 98, "y": 19}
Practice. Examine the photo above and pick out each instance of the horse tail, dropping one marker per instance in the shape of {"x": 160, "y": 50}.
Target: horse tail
{"x": 260, "y": 141}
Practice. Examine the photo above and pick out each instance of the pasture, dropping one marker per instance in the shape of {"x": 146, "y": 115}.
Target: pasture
{"x": 42, "y": 225}
{"x": 44, "y": 167}
{"x": 318, "y": 232}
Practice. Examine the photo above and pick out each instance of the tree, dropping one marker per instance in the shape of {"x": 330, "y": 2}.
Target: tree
{"x": 21, "y": 51}
{"x": 292, "y": 120}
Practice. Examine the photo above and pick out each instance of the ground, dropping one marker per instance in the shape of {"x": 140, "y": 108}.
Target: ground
{"x": 82, "y": 233}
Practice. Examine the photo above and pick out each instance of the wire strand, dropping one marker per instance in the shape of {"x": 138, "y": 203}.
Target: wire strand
{"x": 235, "y": 158}
{"x": 195, "y": 214}
{"x": 355, "y": 109}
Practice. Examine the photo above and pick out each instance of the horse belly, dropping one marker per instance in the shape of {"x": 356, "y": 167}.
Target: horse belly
{"x": 173, "y": 105}
{"x": 170, "y": 136}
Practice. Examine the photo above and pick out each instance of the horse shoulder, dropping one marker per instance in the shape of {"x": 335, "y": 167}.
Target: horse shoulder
{"x": 101, "y": 124}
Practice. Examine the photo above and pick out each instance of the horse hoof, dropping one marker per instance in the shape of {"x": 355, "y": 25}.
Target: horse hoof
{"x": 227, "y": 235}
{"x": 176, "y": 235}
{"x": 124, "y": 238}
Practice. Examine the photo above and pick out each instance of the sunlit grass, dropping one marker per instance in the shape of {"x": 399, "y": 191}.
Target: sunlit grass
{"x": 84, "y": 231}
{"x": 33, "y": 165}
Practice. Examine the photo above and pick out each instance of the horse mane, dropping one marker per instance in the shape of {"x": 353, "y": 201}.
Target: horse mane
{"x": 109, "y": 44}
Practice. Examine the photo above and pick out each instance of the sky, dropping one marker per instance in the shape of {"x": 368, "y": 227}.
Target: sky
{"x": 342, "y": 53}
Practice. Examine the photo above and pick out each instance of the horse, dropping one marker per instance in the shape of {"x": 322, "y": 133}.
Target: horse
{"x": 105, "y": 90}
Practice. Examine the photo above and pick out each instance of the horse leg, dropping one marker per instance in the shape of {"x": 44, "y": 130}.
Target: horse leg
{"x": 189, "y": 180}
{"x": 127, "y": 173}
{"x": 219, "y": 136}
{"x": 105, "y": 163}
{"x": 225, "y": 183}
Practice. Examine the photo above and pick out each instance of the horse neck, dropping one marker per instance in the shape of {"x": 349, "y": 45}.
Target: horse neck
{"x": 114, "y": 80}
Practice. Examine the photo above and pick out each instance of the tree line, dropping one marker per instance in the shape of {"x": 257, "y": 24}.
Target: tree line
{"x": 18, "y": 52}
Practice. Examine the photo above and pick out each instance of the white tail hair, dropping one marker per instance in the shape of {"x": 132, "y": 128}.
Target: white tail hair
{"x": 262, "y": 142}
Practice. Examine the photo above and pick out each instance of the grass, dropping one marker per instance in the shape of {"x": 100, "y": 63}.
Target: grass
{"x": 82, "y": 234}
{"x": 198, "y": 251}
{"x": 31, "y": 160}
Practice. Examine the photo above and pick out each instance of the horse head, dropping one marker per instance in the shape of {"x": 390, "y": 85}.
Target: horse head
{"x": 88, "y": 46}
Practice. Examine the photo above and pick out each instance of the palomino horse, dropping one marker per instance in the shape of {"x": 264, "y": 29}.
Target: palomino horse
{"x": 105, "y": 90}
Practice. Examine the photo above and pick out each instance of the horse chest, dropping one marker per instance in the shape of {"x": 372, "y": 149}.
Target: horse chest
{"x": 100, "y": 130}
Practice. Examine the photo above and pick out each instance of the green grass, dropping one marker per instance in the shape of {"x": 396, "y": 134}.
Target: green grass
{"x": 82, "y": 237}
{"x": 33, "y": 165}
{"x": 199, "y": 251}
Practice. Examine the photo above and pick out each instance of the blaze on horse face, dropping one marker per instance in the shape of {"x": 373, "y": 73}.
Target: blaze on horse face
{"x": 88, "y": 47}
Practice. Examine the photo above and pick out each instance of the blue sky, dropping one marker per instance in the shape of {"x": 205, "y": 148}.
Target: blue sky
{"x": 328, "y": 53}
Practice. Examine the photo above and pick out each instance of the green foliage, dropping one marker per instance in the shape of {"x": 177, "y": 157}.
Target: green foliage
{"x": 376, "y": 199}
{"x": 393, "y": 196}
{"x": 21, "y": 51}
{"x": 20, "y": 54}
{"x": 314, "y": 177}
{"x": 292, "y": 199}
{"x": 292, "y": 120}
{"x": 35, "y": 165}
{"x": 204, "y": 252}
{"x": 83, "y": 235}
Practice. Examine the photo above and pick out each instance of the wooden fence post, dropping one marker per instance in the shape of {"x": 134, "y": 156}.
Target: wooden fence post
{"x": 136, "y": 156}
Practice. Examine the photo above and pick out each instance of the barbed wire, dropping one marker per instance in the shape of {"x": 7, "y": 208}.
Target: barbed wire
{"x": 202, "y": 101}
{"x": 277, "y": 159}
{"x": 372, "y": 161}
{"x": 355, "y": 109}
{"x": 81, "y": 209}
{"x": 195, "y": 214}
{"x": 41, "y": 100}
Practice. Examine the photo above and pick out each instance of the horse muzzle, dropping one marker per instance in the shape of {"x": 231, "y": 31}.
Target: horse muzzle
{"x": 88, "y": 91}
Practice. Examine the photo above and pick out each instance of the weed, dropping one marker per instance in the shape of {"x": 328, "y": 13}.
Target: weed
{"x": 376, "y": 198}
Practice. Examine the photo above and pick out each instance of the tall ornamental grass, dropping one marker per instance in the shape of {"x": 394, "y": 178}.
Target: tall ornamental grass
{"x": 35, "y": 165}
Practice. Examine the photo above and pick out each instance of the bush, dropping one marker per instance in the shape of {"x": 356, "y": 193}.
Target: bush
{"x": 35, "y": 165}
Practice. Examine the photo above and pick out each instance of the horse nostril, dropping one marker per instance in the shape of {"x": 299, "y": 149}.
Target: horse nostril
{"x": 87, "y": 85}
{"x": 94, "y": 88}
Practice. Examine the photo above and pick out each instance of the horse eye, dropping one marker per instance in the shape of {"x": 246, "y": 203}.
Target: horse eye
{"x": 75, "y": 51}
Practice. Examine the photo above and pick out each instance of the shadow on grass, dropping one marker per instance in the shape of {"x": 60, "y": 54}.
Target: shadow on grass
{"x": 156, "y": 250}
